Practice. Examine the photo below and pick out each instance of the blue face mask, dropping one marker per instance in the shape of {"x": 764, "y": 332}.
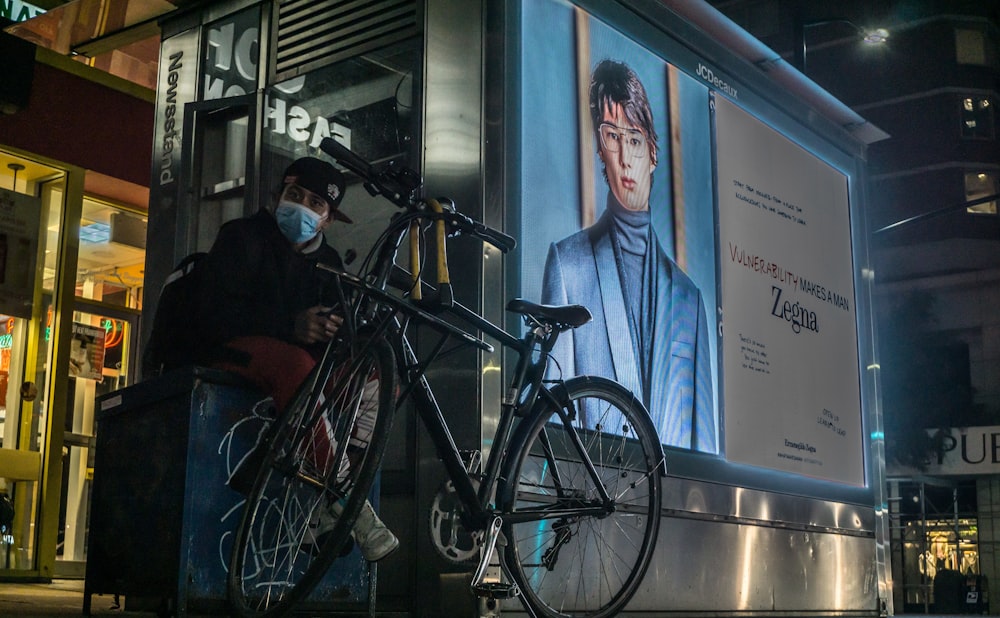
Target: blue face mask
{"x": 298, "y": 223}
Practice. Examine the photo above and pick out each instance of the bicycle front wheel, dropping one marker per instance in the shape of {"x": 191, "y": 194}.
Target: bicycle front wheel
{"x": 320, "y": 462}
{"x": 582, "y": 511}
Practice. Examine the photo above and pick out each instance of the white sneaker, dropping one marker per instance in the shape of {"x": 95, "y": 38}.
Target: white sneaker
{"x": 374, "y": 539}
{"x": 372, "y": 536}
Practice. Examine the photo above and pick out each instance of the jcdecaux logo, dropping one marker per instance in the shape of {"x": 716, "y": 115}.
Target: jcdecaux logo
{"x": 717, "y": 82}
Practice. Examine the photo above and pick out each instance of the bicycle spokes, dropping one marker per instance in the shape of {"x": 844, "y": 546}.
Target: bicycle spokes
{"x": 322, "y": 456}
{"x": 584, "y": 512}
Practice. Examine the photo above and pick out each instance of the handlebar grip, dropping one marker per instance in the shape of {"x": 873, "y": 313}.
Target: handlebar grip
{"x": 346, "y": 157}
{"x": 498, "y": 239}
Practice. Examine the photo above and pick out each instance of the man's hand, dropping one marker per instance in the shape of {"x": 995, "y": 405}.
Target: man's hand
{"x": 316, "y": 324}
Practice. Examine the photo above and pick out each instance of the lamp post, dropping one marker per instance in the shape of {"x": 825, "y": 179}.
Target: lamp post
{"x": 876, "y": 36}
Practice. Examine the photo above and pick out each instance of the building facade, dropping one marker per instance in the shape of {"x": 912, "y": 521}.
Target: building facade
{"x": 74, "y": 176}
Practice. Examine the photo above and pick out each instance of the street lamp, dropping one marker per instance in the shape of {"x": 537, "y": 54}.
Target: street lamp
{"x": 874, "y": 36}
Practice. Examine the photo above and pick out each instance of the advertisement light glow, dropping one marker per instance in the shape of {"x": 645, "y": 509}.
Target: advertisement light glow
{"x": 790, "y": 352}
{"x": 713, "y": 250}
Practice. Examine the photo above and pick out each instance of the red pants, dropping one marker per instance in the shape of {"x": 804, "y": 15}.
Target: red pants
{"x": 276, "y": 367}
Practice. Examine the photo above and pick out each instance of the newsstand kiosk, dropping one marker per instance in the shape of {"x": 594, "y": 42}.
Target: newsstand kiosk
{"x": 775, "y": 505}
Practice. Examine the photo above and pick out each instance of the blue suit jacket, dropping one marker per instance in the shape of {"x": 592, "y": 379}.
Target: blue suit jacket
{"x": 581, "y": 269}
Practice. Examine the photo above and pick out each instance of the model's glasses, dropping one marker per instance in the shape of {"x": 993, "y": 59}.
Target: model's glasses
{"x": 615, "y": 139}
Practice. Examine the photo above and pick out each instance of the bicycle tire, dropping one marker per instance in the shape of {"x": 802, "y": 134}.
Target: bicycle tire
{"x": 277, "y": 559}
{"x": 582, "y": 565}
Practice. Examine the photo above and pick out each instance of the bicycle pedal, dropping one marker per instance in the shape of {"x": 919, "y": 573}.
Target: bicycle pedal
{"x": 496, "y": 590}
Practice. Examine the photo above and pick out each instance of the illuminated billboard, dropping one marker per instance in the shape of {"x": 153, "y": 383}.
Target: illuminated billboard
{"x": 631, "y": 205}
{"x": 790, "y": 349}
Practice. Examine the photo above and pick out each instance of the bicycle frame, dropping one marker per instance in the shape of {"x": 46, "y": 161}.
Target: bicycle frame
{"x": 400, "y": 186}
{"x": 391, "y": 316}
{"x": 394, "y": 324}
{"x": 554, "y": 426}
{"x": 477, "y": 502}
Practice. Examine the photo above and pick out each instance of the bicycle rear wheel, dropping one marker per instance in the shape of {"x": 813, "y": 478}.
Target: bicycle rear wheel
{"x": 582, "y": 555}
{"x": 320, "y": 462}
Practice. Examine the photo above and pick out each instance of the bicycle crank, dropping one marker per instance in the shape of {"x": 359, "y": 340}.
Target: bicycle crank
{"x": 492, "y": 589}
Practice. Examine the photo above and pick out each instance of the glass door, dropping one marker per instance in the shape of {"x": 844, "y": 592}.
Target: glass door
{"x": 102, "y": 354}
{"x": 70, "y": 300}
{"x": 32, "y": 203}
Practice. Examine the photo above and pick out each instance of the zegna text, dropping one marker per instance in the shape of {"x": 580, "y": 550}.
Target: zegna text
{"x": 794, "y": 313}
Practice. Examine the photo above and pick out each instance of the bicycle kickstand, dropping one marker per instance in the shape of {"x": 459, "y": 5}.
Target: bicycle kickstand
{"x": 492, "y": 589}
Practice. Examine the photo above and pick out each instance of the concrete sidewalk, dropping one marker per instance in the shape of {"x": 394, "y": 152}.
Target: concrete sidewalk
{"x": 64, "y": 597}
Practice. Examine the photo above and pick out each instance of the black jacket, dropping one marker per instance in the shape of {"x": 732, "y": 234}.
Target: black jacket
{"x": 254, "y": 283}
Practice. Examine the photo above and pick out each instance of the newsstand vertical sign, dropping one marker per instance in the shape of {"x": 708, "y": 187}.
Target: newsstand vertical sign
{"x": 176, "y": 86}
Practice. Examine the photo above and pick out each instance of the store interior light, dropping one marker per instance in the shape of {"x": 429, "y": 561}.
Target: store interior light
{"x": 95, "y": 233}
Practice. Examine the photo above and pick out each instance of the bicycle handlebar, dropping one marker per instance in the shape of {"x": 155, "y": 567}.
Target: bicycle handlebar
{"x": 498, "y": 239}
{"x": 346, "y": 157}
{"x": 399, "y": 185}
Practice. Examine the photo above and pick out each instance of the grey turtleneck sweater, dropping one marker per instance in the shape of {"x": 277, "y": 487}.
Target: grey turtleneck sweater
{"x": 631, "y": 237}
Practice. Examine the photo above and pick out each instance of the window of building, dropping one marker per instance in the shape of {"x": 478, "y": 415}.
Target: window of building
{"x": 980, "y": 185}
{"x": 977, "y": 117}
{"x": 939, "y": 530}
{"x": 973, "y": 46}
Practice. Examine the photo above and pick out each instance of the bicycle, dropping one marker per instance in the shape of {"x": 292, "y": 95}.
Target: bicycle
{"x": 571, "y": 484}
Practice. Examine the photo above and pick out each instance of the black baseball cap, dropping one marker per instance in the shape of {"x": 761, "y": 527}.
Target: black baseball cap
{"x": 322, "y": 179}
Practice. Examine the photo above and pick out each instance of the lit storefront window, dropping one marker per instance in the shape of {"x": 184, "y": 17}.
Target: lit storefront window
{"x": 112, "y": 254}
{"x": 978, "y": 186}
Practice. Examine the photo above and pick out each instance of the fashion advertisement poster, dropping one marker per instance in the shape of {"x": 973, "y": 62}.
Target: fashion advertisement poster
{"x": 792, "y": 391}
{"x": 617, "y": 210}
{"x": 630, "y": 206}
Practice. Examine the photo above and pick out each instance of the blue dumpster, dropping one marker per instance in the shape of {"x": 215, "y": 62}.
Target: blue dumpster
{"x": 162, "y": 516}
